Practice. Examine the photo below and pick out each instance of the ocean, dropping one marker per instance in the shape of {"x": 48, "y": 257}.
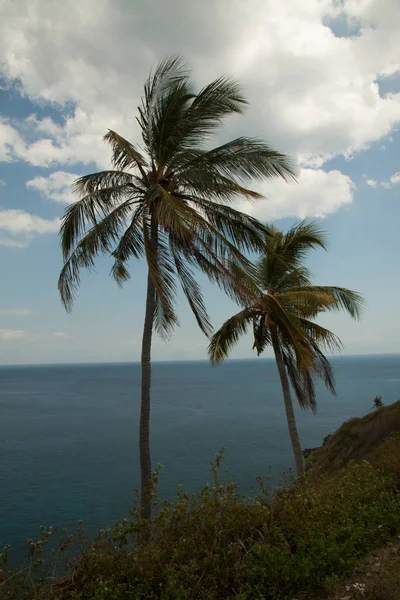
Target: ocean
{"x": 69, "y": 433}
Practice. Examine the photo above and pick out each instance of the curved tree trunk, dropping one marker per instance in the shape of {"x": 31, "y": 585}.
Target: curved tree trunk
{"x": 144, "y": 433}
{"x": 291, "y": 420}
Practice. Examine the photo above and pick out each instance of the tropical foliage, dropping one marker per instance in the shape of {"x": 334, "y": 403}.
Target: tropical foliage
{"x": 281, "y": 308}
{"x": 168, "y": 201}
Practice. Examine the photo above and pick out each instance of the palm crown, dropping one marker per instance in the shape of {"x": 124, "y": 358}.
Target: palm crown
{"x": 282, "y": 304}
{"x": 169, "y": 200}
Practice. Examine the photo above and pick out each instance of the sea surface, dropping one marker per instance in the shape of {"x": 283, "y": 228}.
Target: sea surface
{"x": 69, "y": 433}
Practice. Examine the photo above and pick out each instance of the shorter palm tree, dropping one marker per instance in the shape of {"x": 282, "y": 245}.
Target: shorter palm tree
{"x": 282, "y": 304}
{"x": 378, "y": 402}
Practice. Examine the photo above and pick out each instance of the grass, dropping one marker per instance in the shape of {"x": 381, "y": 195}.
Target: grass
{"x": 288, "y": 545}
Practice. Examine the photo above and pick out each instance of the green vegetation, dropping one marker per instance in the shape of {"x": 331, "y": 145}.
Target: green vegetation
{"x": 289, "y": 543}
{"x": 281, "y": 306}
{"x": 357, "y": 439}
{"x": 168, "y": 202}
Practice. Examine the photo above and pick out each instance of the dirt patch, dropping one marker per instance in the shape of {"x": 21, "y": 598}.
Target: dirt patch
{"x": 376, "y": 578}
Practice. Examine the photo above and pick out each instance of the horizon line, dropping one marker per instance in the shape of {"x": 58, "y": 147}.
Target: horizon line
{"x": 180, "y": 360}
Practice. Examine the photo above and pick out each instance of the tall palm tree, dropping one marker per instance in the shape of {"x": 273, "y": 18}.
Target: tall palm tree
{"x": 281, "y": 307}
{"x": 168, "y": 201}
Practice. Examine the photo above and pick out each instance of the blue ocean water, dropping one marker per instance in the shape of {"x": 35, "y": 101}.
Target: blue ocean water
{"x": 69, "y": 433}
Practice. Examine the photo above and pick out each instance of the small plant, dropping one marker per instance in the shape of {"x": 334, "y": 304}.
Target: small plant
{"x": 378, "y": 402}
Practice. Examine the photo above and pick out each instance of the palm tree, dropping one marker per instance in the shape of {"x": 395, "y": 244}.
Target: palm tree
{"x": 378, "y": 402}
{"x": 281, "y": 307}
{"x": 168, "y": 201}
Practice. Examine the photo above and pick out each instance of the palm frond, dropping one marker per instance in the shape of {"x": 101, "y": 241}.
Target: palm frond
{"x": 215, "y": 186}
{"x": 166, "y": 94}
{"x": 130, "y": 244}
{"x": 228, "y": 335}
{"x": 261, "y": 333}
{"x": 243, "y": 158}
{"x": 202, "y": 115}
{"x": 348, "y": 300}
{"x": 244, "y": 231}
{"x": 174, "y": 214}
{"x": 98, "y": 240}
{"x": 300, "y": 380}
{"x": 280, "y": 316}
{"x": 192, "y": 291}
{"x": 95, "y": 205}
{"x": 165, "y": 321}
{"x": 324, "y": 369}
{"x": 303, "y": 380}
{"x": 321, "y": 336}
{"x": 298, "y": 277}
{"x": 113, "y": 182}
{"x": 301, "y": 238}
{"x": 124, "y": 154}
{"x": 307, "y": 301}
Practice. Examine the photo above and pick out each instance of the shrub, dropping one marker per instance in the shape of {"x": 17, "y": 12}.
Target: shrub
{"x": 215, "y": 545}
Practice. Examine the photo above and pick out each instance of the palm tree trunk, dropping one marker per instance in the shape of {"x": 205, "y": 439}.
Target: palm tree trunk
{"x": 144, "y": 433}
{"x": 291, "y": 420}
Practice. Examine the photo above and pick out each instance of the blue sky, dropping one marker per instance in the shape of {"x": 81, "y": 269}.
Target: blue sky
{"x": 323, "y": 82}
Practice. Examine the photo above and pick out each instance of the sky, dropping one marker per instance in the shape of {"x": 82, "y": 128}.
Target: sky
{"x": 323, "y": 81}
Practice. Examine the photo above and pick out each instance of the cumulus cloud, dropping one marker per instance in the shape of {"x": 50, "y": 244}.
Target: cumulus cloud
{"x": 16, "y": 312}
{"x": 11, "y": 144}
{"x": 18, "y": 221}
{"x": 56, "y": 187}
{"x": 317, "y": 194}
{"x": 17, "y": 227}
{"x": 2, "y": 183}
{"x": 11, "y": 335}
{"x": 372, "y": 183}
{"x": 313, "y": 93}
{"x": 395, "y": 178}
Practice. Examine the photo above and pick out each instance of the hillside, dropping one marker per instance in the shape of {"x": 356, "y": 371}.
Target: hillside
{"x": 357, "y": 439}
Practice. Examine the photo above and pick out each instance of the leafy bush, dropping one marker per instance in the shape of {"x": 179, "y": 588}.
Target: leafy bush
{"x": 215, "y": 545}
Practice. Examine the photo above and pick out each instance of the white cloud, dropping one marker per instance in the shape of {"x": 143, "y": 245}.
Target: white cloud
{"x": 19, "y": 221}
{"x": 20, "y": 226}
{"x": 16, "y": 312}
{"x": 395, "y": 178}
{"x": 56, "y": 187}
{"x": 59, "y": 335}
{"x": 372, "y": 183}
{"x": 312, "y": 94}
{"x": 386, "y": 183}
{"x": 10, "y": 335}
{"x": 317, "y": 194}
{"x": 2, "y": 183}
{"x": 11, "y": 144}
